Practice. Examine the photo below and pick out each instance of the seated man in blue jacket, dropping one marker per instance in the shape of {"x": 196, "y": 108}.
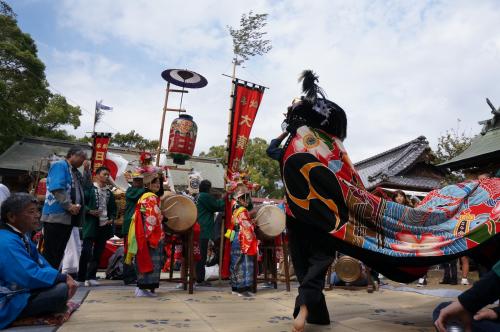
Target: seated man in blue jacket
{"x": 469, "y": 310}
{"x": 29, "y": 286}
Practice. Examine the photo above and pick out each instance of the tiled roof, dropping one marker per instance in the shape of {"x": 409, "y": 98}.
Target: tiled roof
{"x": 389, "y": 166}
{"x": 416, "y": 182}
{"x": 27, "y": 153}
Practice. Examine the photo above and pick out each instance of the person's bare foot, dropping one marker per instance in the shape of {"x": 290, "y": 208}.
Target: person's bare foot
{"x": 300, "y": 321}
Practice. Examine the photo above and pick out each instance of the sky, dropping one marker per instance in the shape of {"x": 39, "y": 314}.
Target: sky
{"x": 400, "y": 69}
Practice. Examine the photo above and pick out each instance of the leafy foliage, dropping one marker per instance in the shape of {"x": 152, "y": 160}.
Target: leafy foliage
{"x": 262, "y": 169}
{"x": 450, "y": 145}
{"x": 6, "y": 10}
{"x": 27, "y": 107}
{"x": 217, "y": 151}
{"x": 133, "y": 140}
{"x": 248, "y": 39}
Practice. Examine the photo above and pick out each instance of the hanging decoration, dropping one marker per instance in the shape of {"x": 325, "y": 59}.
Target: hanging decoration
{"x": 183, "y": 130}
{"x": 182, "y": 139}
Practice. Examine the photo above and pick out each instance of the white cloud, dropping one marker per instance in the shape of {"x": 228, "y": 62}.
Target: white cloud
{"x": 400, "y": 69}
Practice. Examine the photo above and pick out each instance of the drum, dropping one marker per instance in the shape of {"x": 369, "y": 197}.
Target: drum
{"x": 181, "y": 213}
{"x": 270, "y": 220}
{"x": 348, "y": 269}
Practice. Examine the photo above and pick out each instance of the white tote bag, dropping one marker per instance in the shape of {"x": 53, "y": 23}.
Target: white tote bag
{"x": 72, "y": 253}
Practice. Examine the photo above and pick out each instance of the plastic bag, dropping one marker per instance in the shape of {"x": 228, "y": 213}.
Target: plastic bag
{"x": 212, "y": 272}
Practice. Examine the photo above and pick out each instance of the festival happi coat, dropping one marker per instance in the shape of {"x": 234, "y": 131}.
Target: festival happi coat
{"x": 246, "y": 235}
{"x": 324, "y": 189}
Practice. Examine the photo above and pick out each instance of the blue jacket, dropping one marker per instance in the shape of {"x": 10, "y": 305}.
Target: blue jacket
{"x": 59, "y": 178}
{"x": 20, "y": 272}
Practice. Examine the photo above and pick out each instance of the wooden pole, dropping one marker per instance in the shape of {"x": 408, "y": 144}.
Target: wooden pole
{"x": 95, "y": 115}
{"x": 229, "y": 125}
{"x": 162, "y": 125}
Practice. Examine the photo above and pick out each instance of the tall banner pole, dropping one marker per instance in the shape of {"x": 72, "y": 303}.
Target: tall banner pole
{"x": 95, "y": 116}
{"x": 228, "y": 150}
{"x": 230, "y": 122}
{"x": 162, "y": 125}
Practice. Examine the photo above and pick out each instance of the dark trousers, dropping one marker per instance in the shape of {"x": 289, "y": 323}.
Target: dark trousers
{"x": 200, "y": 265}
{"x": 450, "y": 271}
{"x": 312, "y": 253}
{"x": 46, "y": 301}
{"x": 129, "y": 273}
{"x": 55, "y": 238}
{"x": 216, "y": 249}
{"x": 484, "y": 325}
{"x": 92, "y": 250}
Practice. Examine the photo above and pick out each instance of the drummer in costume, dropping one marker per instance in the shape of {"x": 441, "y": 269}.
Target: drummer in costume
{"x": 243, "y": 243}
{"x": 145, "y": 236}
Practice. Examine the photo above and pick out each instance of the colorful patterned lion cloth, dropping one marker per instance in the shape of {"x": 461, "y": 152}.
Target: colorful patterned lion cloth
{"x": 324, "y": 190}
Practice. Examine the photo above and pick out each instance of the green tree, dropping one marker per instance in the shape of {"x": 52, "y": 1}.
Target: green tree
{"x": 262, "y": 169}
{"x": 85, "y": 139}
{"x": 450, "y": 145}
{"x": 27, "y": 107}
{"x": 57, "y": 113}
{"x": 217, "y": 151}
{"x": 6, "y": 10}
{"x": 133, "y": 140}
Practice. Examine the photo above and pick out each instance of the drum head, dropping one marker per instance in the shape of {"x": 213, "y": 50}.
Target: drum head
{"x": 181, "y": 213}
{"x": 271, "y": 220}
{"x": 348, "y": 269}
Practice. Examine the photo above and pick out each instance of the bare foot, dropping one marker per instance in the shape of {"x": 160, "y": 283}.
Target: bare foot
{"x": 300, "y": 321}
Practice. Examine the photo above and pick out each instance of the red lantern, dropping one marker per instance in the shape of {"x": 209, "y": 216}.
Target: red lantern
{"x": 182, "y": 138}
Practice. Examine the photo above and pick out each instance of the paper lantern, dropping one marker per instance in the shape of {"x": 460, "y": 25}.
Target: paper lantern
{"x": 182, "y": 138}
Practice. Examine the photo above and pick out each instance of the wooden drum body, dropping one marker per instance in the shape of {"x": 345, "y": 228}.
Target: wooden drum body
{"x": 181, "y": 213}
{"x": 270, "y": 221}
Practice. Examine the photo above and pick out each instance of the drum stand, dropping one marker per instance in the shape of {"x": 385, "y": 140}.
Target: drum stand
{"x": 269, "y": 261}
{"x": 187, "y": 268}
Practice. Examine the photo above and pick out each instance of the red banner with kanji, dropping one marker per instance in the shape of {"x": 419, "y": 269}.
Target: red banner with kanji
{"x": 99, "y": 150}
{"x": 246, "y": 103}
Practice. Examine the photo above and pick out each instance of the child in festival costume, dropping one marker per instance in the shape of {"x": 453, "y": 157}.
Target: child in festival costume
{"x": 243, "y": 243}
{"x": 145, "y": 236}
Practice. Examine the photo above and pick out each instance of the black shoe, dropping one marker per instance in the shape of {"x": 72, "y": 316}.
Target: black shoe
{"x": 246, "y": 294}
{"x": 129, "y": 281}
{"x": 453, "y": 282}
{"x": 444, "y": 282}
{"x": 204, "y": 284}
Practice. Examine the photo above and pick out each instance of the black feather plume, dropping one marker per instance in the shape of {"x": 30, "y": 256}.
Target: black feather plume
{"x": 309, "y": 86}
